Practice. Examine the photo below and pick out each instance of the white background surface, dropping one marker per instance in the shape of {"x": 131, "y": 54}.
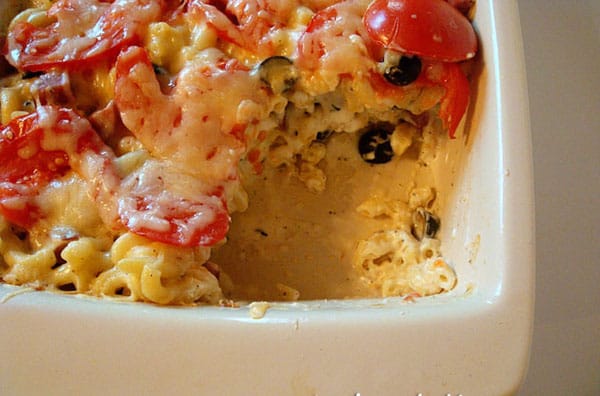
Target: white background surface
{"x": 562, "y": 52}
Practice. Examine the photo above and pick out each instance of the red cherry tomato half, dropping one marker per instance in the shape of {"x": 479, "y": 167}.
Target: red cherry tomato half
{"x": 428, "y": 28}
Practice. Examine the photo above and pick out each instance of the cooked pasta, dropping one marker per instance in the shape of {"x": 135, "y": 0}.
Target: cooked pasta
{"x": 134, "y": 129}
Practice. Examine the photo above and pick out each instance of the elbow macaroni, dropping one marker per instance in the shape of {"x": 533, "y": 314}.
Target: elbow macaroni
{"x": 150, "y": 271}
{"x": 395, "y": 263}
{"x": 72, "y": 250}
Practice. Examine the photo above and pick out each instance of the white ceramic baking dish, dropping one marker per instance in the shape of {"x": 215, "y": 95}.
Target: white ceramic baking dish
{"x": 472, "y": 341}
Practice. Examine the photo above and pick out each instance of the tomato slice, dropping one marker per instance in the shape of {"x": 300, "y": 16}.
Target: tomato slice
{"x": 81, "y": 31}
{"x": 243, "y": 23}
{"x": 310, "y": 45}
{"x": 153, "y": 205}
{"x": 430, "y": 29}
{"x": 328, "y": 32}
{"x": 214, "y": 14}
{"x": 29, "y": 163}
{"x": 25, "y": 169}
{"x": 180, "y": 222}
{"x": 42, "y": 146}
{"x": 321, "y": 18}
{"x": 23, "y": 158}
{"x": 456, "y": 99}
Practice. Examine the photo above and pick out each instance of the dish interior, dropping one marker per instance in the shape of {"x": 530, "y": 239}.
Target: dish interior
{"x": 292, "y": 237}
{"x": 318, "y": 230}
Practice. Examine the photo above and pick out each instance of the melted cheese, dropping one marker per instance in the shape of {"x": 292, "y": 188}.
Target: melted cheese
{"x": 172, "y": 192}
{"x": 206, "y": 128}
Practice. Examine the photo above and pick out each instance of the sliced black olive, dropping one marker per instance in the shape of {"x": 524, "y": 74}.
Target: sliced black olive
{"x": 406, "y": 71}
{"x": 375, "y": 147}
{"x": 278, "y": 72}
{"x": 425, "y": 224}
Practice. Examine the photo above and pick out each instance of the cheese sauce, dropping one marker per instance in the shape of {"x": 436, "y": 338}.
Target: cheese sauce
{"x": 255, "y": 150}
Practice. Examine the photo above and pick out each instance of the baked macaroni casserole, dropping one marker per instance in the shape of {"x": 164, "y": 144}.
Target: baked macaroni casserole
{"x": 134, "y": 131}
